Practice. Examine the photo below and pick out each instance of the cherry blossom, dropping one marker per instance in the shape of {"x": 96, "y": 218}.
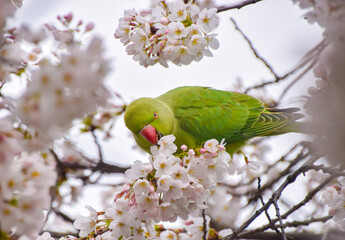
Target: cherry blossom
{"x": 172, "y": 187}
{"x": 175, "y": 31}
{"x": 61, "y": 96}
{"x": 168, "y": 235}
{"x": 86, "y": 224}
{"x": 207, "y": 20}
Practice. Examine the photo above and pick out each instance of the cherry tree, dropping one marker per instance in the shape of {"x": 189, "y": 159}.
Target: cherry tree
{"x": 202, "y": 193}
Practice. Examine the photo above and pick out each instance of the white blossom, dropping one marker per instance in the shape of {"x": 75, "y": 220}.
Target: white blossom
{"x": 177, "y": 10}
{"x": 169, "y": 34}
{"x": 86, "y": 224}
{"x": 207, "y": 20}
{"x": 168, "y": 235}
{"x": 334, "y": 197}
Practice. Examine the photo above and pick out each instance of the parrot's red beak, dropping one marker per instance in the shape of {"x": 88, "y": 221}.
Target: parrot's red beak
{"x": 150, "y": 134}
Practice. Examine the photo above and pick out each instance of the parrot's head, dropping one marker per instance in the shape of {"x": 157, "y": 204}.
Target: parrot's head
{"x": 148, "y": 119}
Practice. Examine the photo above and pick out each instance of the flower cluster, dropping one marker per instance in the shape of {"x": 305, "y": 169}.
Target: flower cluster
{"x": 334, "y": 198}
{"x": 329, "y": 14}
{"x": 167, "y": 187}
{"x": 25, "y": 183}
{"x": 175, "y": 31}
{"x": 63, "y": 83}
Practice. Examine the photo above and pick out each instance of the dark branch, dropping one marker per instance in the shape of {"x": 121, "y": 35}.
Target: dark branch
{"x": 335, "y": 235}
{"x": 204, "y": 225}
{"x": 102, "y": 167}
{"x": 63, "y": 215}
{"x": 301, "y": 156}
{"x": 266, "y": 210}
{"x": 276, "y": 206}
{"x": 99, "y": 148}
{"x": 238, "y": 5}
{"x": 294, "y": 224}
{"x": 311, "y": 65}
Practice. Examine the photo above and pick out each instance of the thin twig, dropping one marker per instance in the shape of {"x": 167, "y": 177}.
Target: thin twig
{"x": 290, "y": 179}
{"x": 300, "y": 156}
{"x": 60, "y": 234}
{"x": 296, "y": 224}
{"x": 296, "y": 236}
{"x": 309, "y": 196}
{"x": 311, "y": 65}
{"x": 63, "y": 215}
{"x": 311, "y": 54}
{"x": 255, "y": 52}
{"x": 238, "y": 5}
{"x": 266, "y": 210}
{"x": 99, "y": 148}
{"x": 54, "y": 189}
{"x": 276, "y": 206}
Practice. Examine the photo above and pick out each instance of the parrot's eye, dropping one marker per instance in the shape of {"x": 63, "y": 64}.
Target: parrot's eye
{"x": 155, "y": 115}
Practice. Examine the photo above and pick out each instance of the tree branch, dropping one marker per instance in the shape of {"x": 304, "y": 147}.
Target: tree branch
{"x": 204, "y": 223}
{"x": 336, "y": 235}
{"x": 290, "y": 179}
{"x": 95, "y": 139}
{"x": 266, "y": 210}
{"x": 255, "y": 52}
{"x": 238, "y": 5}
{"x": 302, "y": 155}
{"x": 310, "y": 55}
{"x": 275, "y": 203}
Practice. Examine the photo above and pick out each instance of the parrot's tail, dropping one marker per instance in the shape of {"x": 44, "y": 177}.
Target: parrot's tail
{"x": 293, "y": 126}
{"x": 298, "y": 127}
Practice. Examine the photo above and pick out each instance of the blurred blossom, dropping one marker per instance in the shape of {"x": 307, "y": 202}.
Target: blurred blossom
{"x": 326, "y": 102}
{"x": 329, "y": 14}
{"x": 7, "y": 9}
{"x": 25, "y": 192}
{"x": 326, "y": 106}
{"x": 334, "y": 198}
{"x": 224, "y": 212}
{"x": 58, "y": 94}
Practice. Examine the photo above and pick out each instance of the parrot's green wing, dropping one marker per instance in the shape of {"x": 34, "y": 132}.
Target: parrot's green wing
{"x": 205, "y": 113}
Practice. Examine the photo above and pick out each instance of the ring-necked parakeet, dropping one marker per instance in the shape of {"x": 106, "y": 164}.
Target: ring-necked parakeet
{"x": 196, "y": 114}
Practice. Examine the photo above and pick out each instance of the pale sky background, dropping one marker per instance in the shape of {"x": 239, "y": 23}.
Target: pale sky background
{"x": 276, "y": 28}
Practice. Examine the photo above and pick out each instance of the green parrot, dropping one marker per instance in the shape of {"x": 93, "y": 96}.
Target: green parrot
{"x": 196, "y": 114}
